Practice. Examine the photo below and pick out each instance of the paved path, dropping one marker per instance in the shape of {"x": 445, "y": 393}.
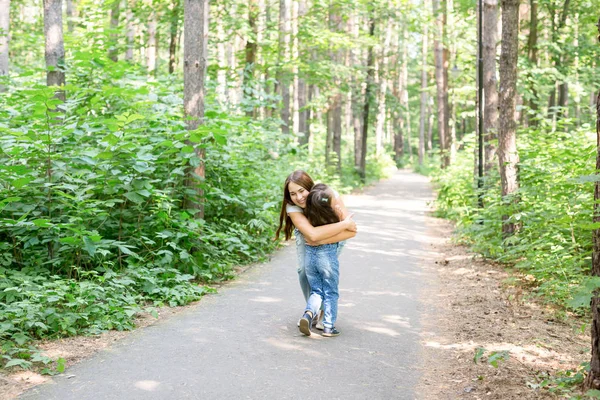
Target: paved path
{"x": 242, "y": 343}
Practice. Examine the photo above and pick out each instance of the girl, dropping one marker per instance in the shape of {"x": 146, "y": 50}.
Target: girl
{"x": 295, "y": 190}
{"x": 322, "y": 266}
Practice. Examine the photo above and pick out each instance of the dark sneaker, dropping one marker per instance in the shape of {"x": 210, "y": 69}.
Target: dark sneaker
{"x": 305, "y": 323}
{"x": 330, "y": 332}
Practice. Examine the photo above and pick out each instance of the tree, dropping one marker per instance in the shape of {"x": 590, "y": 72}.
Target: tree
{"x": 284, "y": 49}
{"x": 592, "y": 380}
{"x": 507, "y": 137}
{"x": 382, "y": 75}
{"x": 130, "y": 30}
{"x": 174, "y": 39}
{"x": 303, "y": 110}
{"x": 4, "y": 30}
{"x": 55, "y": 49}
{"x": 113, "y": 53}
{"x": 532, "y": 51}
{"x": 423, "y": 113}
{"x": 365, "y": 125}
{"x": 441, "y": 80}
{"x": 195, "y": 54}
{"x": 490, "y": 123}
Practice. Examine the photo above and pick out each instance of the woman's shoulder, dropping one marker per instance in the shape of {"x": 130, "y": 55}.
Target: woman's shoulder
{"x": 289, "y": 208}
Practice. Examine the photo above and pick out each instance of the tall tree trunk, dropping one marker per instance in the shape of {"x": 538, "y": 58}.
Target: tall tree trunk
{"x": 382, "y": 73}
{"x": 283, "y": 75}
{"x": 221, "y": 39}
{"x": 115, "y": 11}
{"x": 404, "y": 90}
{"x": 423, "y": 113}
{"x": 195, "y": 48}
{"x": 251, "y": 53}
{"x": 151, "y": 46}
{"x": 532, "y": 52}
{"x": 174, "y": 34}
{"x": 508, "y": 157}
{"x": 490, "y": 123}
{"x": 370, "y": 77}
{"x": 559, "y": 61}
{"x": 294, "y": 58}
{"x": 334, "y": 128}
{"x": 4, "y": 38}
{"x": 130, "y": 30}
{"x": 592, "y": 380}
{"x": 356, "y": 59}
{"x": 441, "y": 83}
{"x": 303, "y": 111}
{"x": 55, "y": 50}
{"x": 70, "y": 15}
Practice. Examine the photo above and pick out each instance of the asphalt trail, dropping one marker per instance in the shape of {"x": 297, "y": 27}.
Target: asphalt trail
{"x": 243, "y": 343}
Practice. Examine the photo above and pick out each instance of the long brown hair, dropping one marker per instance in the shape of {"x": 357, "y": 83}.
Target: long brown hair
{"x": 301, "y": 178}
{"x": 318, "y": 206}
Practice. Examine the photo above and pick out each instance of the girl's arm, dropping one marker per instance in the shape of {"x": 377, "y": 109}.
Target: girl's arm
{"x": 345, "y": 235}
{"x": 314, "y": 234}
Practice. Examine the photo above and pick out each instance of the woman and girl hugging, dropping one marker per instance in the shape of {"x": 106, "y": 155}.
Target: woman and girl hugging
{"x": 321, "y": 224}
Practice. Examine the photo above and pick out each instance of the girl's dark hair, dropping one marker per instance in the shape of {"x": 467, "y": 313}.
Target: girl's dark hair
{"x": 318, "y": 206}
{"x": 299, "y": 178}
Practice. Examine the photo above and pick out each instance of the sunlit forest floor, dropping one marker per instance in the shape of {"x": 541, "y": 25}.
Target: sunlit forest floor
{"x": 478, "y": 305}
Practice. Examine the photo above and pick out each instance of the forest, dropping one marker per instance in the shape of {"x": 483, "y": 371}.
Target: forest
{"x": 144, "y": 143}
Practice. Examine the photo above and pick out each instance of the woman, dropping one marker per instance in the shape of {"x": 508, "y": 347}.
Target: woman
{"x": 295, "y": 191}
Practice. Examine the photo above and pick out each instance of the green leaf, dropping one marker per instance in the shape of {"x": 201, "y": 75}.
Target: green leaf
{"x": 19, "y": 183}
{"x": 220, "y": 139}
{"x": 89, "y": 246}
{"x": 21, "y": 338}
{"x": 134, "y": 197}
{"x": 478, "y": 354}
{"x": 496, "y": 357}
{"x": 18, "y": 362}
{"x": 60, "y": 365}
{"x": 42, "y": 223}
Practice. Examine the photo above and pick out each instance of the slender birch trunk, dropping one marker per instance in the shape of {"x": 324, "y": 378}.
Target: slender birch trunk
{"x": 490, "y": 123}
{"x": 382, "y": 72}
{"x": 130, "y": 30}
{"x": 70, "y": 14}
{"x": 55, "y": 50}
{"x": 423, "y": 113}
{"x": 508, "y": 157}
{"x": 195, "y": 55}
{"x": 151, "y": 44}
{"x": 4, "y": 38}
{"x": 174, "y": 34}
{"x": 284, "y": 51}
{"x": 115, "y": 12}
{"x": 368, "y": 93}
{"x": 441, "y": 76}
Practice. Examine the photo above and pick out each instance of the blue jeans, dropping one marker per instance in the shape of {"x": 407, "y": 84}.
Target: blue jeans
{"x": 323, "y": 273}
{"x": 301, "y": 255}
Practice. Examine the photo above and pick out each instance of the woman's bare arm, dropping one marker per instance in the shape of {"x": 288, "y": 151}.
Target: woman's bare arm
{"x": 345, "y": 235}
{"x": 315, "y": 234}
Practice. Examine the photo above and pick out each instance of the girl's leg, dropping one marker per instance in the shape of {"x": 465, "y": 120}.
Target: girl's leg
{"x": 301, "y": 255}
{"x": 315, "y": 280}
{"x": 329, "y": 268}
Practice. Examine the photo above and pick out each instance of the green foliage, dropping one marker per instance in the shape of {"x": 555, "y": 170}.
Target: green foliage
{"x": 554, "y": 212}
{"x": 564, "y": 383}
{"x": 494, "y": 358}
